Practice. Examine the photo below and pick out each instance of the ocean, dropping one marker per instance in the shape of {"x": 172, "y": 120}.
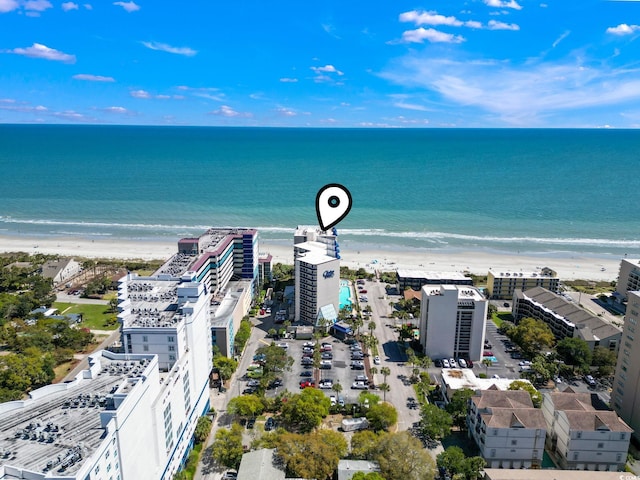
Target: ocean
{"x": 496, "y": 190}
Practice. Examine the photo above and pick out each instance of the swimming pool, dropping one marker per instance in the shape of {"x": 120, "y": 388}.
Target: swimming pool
{"x": 345, "y": 294}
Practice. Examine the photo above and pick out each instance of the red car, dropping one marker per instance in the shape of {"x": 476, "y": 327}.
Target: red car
{"x": 307, "y": 384}
{"x": 363, "y": 291}
{"x": 487, "y": 353}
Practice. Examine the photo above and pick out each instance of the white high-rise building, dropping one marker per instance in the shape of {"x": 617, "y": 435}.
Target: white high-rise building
{"x": 317, "y": 272}
{"x": 452, "y": 322}
{"x": 130, "y": 415}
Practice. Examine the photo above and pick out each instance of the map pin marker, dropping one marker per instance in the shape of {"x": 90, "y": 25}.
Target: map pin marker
{"x": 333, "y": 203}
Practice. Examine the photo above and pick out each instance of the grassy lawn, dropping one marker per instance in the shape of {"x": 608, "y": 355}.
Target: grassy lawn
{"x": 95, "y": 317}
{"x": 500, "y": 317}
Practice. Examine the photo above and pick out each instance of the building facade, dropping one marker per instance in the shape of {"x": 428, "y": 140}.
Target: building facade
{"x": 628, "y": 278}
{"x": 625, "y": 396}
{"x": 317, "y": 276}
{"x": 416, "y": 279}
{"x": 566, "y": 319}
{"x": 452, "y": 322}
{"x": 227, "y": 314}
{"x": 502, "y": 285}
{"x": 583, "y": 437}
{"x": 508, "y": 430}
{"x": 61, "y": 270}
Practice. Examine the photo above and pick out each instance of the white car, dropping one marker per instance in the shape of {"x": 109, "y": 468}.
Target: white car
{"x": 445, "y": 363}
{"x": 359, "y": 386}
{"x": 326, "y": 384}
{"x": 284, "y": 345}
{"x": 376, "y": 360}
{"x": 452, "y": 362}
{"x": 334, "y": 400}
{"x": 462, "y": 362}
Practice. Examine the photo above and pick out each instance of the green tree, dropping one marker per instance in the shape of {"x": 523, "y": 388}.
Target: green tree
{"x": 574, "y": 351}
{"x": 456, "y": 463}
{"x": 401, "y": 457}
{"x": 276, "y": 360}
{"x": 385, "y": 371}
{"x": 367, "y": 476}
{"x": 364, "y": 444}
{"x": 245, "y": 406}
{"x": 315, "y": 455}
{"x": 381, "y": 416}
{"x": 605, "y": 360}
{"x": 459, "y": 406}
{"x": 536, "y": 396}
{"x": 337, "y": 387}
{"x": 543, "y": 369}
{"x": 243, "y": 334}
{"x": 227, "y": 446}
{"x": 368, "y": 398}
{"x": 533, "y": 336}
{"x": 384, "y": 388}
{"x": 435, "y": 423}
{"x": 305, "y": 411}
{"x": 225, "y": 366}
{"x": 203, "y": 428}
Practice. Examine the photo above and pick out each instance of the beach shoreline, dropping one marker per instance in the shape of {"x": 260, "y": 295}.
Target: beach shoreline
{"x": 569, "y": 267}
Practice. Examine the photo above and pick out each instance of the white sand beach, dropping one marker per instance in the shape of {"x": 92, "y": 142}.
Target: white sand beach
{"x": 568, "y": 267}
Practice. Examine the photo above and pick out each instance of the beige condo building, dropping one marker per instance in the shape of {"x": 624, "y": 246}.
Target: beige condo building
{"x": 502, "y": 284}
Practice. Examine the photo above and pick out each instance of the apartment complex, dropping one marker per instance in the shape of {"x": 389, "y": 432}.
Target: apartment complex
{"x": 502, "y": 285}
{"x": 317, "y": 276}
{"x": 218, "y": 256}
{"x": 129, "y": 415}
{"x": 582, "y": 435}
{"x": 452, "y": 322}
{"x": 565, "y": 318}
{"x": 628, "y": 278}
{"x": 227, "y": 314}
{"x": 416, "y": 279}
{"x": 508, "y": 430}
{"x": 625, "y": 396}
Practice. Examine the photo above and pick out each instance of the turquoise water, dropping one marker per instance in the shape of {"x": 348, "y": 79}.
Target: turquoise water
{"x": 532, "y": 191}
{"x": 345, "y": 295}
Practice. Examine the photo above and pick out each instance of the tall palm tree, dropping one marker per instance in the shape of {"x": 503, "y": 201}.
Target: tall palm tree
{"x": 487, "y": 363}
{"x": 337, "y": 387}
{"x": 373, "y": 370}
{"x": 384, "y": 388}
{"x": 385, "y": 371}
{"x": 372, "y": 327}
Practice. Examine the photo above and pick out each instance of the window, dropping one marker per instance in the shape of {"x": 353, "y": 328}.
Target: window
{"x": 601, "y": 445}
{"x": 514, "y": 442}
{"x": 145, "y": 338}
{"x": 107, "y": 454}
{"x": 575, "y": 455}
{"x": 109, "y": 468}
{"x": 172, "y": 358}
{"x": 619, "y": 457}
{"x": 578, "y": 434}
{"x": 171, "y": 339}
{"x": 172, "y": 348}
{"x": 495, "y": 431}
{"x": 623, "y": 436}
{"x": 493, "y": 452}
{"x": 97, "y": 469}
{"x": 145, "y": 348}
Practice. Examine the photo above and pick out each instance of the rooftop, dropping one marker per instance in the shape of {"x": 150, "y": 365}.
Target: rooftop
{"x": 542, "y": 273}
{"x": 61, "y": 425}
{"x": 503, "y": 399}
{"x": 596, "y": 421}
{"x": 315, "y": 258}
{"x": 465, "y": 292}
{"x": 149, "y": 302}
{"x": 548, "y": 474}
{"x": 590, "y": 326}
{"x": 220, "y": 313}
{"x": 260, "y": 465}
{"x": 456, "y": 379}
{"x": 515, "y": 418}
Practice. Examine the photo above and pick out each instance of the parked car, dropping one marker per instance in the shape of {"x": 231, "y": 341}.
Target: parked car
{"x": 326, "y": 384}
{"x": 326, "y": 355}
{"x": 341, "y": 400}
{"x": 359, "y": 386}
{"x": 309, "y": 344}
{"x": 325, "y": 364}
{"x": 230, "y": 475}
{"x": 590, "y": 380}
{"x": 326, "y": 348}
{"x": 487, "y": 353}
{"x": 445, "y": 363}
{"x": 277, "y": 382}
{"x": 333, "y": 400}
{"x": 284, "y": 345}
{"x": 376, "y": 360}
{"x": 437, "y": 363}
{"x": 357, "y": 365}
{"x": 452, "y": 362}
{"x": 251, "y": 422}
{"x": 307, "y": 361}
{"x": 306, "y": 373}
{"x": 270, "y": 424}
{"x": 349, "y": 341}
{"x": 307, "y": 384}
{"x": 362, "y": 378}
{"x": 462, "y": 362}
{"x": 363, "y": 291}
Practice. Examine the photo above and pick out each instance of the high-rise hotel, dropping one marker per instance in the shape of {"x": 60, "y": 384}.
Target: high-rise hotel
{"x": 317, "y": 270}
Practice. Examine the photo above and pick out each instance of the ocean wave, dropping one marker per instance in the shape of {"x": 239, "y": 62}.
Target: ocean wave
{"x": 431, "y": 237}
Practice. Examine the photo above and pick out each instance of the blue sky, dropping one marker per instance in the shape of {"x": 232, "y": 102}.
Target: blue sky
{"x": 475, "y": 63}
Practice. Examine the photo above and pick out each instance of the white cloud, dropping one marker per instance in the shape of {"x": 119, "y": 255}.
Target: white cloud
{"x": 560, "y": 38}
{"x": 523, "y": 94}
{"x": 38, "y": 50}
{"x": 227, "y": 111}
{"x": 286, "y": 112}
{"x": 8, "y": 5}
{"x": 289, "y": 80}
{"x": 128, "y": 6}
{"x": 6, "y": 104}
{"x": 419, "y": 35}
{"x": 37, "y": 5}
{"x": 623, "y": 29}
{"x": 473, "y": 24}
{"x": 66, "y": 6}
{"x": 163, "y": 47}
{"x": 327, "y": 69}
{"x": 216, "y": 98}
{"x": 410, "y": 106}
{"x": 495, "y": 25}
{"x": 88, "y": 6}
{"x": 93, "y": 78}
{"x": 73, "y": 116}
{"x": 503, "y": 4}
{"x": 140, "y": 94}
{"x": 120, "y": 110}
{"x": 428, "y": 18}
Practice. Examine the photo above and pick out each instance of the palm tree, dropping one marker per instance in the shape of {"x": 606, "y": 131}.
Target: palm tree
{"x": 384, "y": 388}
{"x": 373, "y": 370}
{"x": 372, "y": 327}
{"x": 385, "y": 371}
{"x": 487, "y": 363}
{"x": 337, "y": 387}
